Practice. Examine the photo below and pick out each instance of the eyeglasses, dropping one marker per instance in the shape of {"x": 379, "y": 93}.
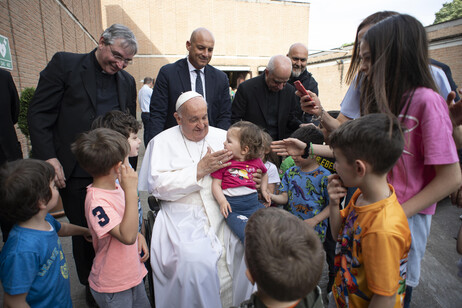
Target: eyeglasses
{"x": 119, "y": 57}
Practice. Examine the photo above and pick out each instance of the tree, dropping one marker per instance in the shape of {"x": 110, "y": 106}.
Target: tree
{"x": 449, "y": 11}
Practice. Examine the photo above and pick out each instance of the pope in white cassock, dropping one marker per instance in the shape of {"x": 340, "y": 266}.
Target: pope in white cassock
{"x": 196, "y": 260}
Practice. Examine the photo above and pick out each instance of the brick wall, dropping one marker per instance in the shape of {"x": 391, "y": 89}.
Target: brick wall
{"x": 37, "y": 29}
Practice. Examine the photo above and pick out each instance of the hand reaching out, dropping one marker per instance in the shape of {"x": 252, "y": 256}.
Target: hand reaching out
{"x": 289, "y": 146}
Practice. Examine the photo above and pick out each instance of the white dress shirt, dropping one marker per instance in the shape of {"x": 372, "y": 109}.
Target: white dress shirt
{"x": 144, "y": 98}
{"x": 193, "y": 76}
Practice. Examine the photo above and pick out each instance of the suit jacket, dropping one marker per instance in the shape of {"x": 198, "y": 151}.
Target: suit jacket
{"x": 174, "y": 79}
{"x": 10, "y": 148}
{"x": 250, "y": 105}
{"x": 64, "y": 105}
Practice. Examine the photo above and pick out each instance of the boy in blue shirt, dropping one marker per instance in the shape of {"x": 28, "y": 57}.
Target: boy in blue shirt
{"x": 33, "y": 269}
{"x": 304, "y": 186}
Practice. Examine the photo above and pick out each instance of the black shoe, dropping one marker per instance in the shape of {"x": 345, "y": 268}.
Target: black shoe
{"x": 89, "y": 298}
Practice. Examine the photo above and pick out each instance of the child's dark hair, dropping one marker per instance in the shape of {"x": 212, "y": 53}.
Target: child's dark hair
{"x": 98, "y": 150}
{"x": 375, "y": 138}
{"x": 250, "y": 136}
{"x": 119, "y": 121}
{"x": 23, "y": 185}
{"x": 309, "y": 133}
{"x": 283, "y": 254}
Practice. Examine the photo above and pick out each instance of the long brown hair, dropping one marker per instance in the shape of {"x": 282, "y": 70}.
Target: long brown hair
{"x": 368, "y": 21}
{"x": 399, "y": 64}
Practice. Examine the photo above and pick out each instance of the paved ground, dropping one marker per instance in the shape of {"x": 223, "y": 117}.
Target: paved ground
{"x": 439, "y": 285}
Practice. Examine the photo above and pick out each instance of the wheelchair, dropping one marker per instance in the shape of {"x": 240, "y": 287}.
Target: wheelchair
{"x": 154, "y": 207}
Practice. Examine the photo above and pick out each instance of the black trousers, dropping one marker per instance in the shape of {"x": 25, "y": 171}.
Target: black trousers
{"x": 73, "y": 196}
{"x": 145, "y": 119}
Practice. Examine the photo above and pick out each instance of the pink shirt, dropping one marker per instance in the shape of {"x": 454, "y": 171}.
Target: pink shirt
{"x": 116, "y": 266}
{"x": 239, "y": 173}
{"x": 428, "y": 142}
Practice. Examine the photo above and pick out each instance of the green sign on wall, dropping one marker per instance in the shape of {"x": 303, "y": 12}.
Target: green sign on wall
{"x": 5, "y": 53}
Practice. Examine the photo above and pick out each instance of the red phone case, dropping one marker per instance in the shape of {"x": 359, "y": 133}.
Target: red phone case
{"x": 301, "y": 88}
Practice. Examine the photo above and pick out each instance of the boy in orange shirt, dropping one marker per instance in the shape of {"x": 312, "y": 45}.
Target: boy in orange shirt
{"x": 373, "y": 233}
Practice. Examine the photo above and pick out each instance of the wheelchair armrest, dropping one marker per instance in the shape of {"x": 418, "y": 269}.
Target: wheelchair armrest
{"x": 154, "y": 204}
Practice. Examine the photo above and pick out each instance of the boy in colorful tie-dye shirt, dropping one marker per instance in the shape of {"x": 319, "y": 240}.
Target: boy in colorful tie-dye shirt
{"x": 304, "y": 186}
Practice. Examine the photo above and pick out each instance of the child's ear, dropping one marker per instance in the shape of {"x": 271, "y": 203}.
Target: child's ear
{"x": 42, "y": 205}
{"x": 117, "y": 167}
{"x": 249, "y": 276}
{"x": 360, "y": 167}
{"x": 244, "y": 150}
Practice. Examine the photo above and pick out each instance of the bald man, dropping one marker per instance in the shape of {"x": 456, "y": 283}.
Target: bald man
{"x": 298, "y": 54}
{"x": 269, "y": 101}
{"x": 191, "y": 73}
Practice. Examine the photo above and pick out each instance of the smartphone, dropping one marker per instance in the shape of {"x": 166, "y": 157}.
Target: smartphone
{"x": 301, "y": 88}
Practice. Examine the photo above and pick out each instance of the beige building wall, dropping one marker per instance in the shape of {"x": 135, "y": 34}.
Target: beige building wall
{"x": 247, "y": 33}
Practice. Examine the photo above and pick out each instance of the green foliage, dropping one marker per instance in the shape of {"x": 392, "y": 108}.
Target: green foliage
{"x": 26, "y": 97}
{"x": 449, "y": 11}
{"x": 347, "y": 44}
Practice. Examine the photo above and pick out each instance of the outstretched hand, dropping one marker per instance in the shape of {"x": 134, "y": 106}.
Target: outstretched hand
{"x": 290, "y": 146}
{"x": 212, "y": 161}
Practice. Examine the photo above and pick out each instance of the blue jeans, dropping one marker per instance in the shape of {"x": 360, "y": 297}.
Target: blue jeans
{"x": 242, "y": 207}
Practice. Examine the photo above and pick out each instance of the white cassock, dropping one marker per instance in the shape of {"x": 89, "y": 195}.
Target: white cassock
{"x": 196, "y": 260}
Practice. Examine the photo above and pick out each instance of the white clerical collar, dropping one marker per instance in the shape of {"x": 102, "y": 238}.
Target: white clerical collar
{"x": 192, "y": 68}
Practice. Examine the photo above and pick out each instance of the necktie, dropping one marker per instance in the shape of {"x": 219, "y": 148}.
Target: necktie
{"x": 199, "y": 87}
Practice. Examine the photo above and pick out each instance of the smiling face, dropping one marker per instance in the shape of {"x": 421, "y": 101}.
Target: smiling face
{"x": 298, "y": 54}
{"x": 134, "y": 142}
{"x": 193, "y": 118}
{"x": 113, "y": 58}
{"x": 200, "y": 48}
